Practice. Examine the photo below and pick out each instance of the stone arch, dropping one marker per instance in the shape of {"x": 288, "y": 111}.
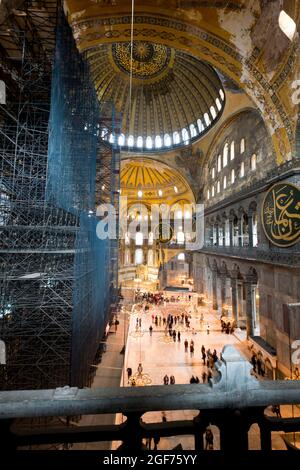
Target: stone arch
{"x": 99, "y": 24}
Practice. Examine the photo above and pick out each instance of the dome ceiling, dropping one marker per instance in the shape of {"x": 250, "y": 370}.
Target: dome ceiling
{"x": 155, "y": 181}
{"x": 175, "y": 97}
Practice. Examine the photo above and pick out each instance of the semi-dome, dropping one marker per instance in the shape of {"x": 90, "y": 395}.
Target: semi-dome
{"x": 175, "y": 97}
{"x": 149, "y": 180}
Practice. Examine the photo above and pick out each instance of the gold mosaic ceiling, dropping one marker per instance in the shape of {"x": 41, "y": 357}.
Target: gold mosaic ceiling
{"x": 151, "y": 177}
{"x": 170, "y": 89}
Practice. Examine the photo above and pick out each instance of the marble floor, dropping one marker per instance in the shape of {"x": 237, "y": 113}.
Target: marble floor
{"x": 160, "y": 355}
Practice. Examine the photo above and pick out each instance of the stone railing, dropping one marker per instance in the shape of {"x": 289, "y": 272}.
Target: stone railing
{"x": 233, "y": 401}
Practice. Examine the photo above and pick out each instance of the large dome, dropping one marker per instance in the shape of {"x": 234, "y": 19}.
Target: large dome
{"x": 175, "y": 97}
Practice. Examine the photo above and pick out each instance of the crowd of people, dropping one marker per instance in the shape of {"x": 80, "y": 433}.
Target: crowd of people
{"x": 227, "y": 326}
{"x": 157, "y": 298}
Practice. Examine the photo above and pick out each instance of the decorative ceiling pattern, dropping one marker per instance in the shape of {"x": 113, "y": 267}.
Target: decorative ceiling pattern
{"x": 170, "y": 89}
{"x": 235, "y": 37}
{"x": 157, "y": 182}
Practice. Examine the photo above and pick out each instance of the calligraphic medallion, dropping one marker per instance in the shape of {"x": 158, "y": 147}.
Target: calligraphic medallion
{"x": 163, "y": 233}
{"x": 145, "y": 61}
{"x": 281, "y": 214}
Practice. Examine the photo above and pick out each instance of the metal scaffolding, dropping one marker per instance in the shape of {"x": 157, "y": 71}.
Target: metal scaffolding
{"x": 56, "y": 275}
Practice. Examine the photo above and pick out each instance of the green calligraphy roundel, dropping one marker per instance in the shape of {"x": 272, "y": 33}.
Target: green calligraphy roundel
{"x": 281, "y": 214}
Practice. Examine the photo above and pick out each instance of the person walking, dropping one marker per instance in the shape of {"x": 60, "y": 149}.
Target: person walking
{"x": 172, "y": 380}
{"x": 192, "y": 350}
{"x": 209, "y": 439}
{"x": 129, "y": 373}
{"x": 166, "y": 380}
{"x": 186, "y": 345}
{"x": 253, "y": 361}
{"x": 150, "y": 330}
{"x": 156, "y": 442}
{"x": 207, "y": 329}
{"x": 178, "y": 336}
{"x": 276, "y": 410}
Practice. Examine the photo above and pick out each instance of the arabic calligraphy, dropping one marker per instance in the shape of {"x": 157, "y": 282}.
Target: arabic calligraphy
{"x": 281, "y": 214}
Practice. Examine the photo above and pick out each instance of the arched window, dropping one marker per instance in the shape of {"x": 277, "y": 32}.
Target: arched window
{"x": 193, "y": 131}
{"x": 242, "y": 173}
{"x": 181, "y": 257}
{"x": 150, "y": 238}
{"x": 242, "y": 145}
{"x": 127, "y": 257}
{"x": 218, "y": 103}
{"x": 208, "y": 194}
{"x": 187, "y": 214}
{"x": 149, "y": 142}
{"x": 176, "y": 138}
{"x": 178, "y": 214}
{"x": 222, "y": 94}
{"x": 253, "y": 162}
{"x": 139, "y": 141}
{"x": 200, "y": 125}
{"x": 167, "y": 140}
{"x": 180, "y": 237}
{"x": 213, "y": 112}
{"x": 254, "y": 229}
{"x": 287, "y": 25}
{"x": 130, "y": 141}
{"x": 139, "y": 258}
{"x": 139, "y": 238}
{"x": 158, "y": 142}
{"x": 227, "y": 233}
{"x": 225, "y": 154}
{"x": 219, "y": 163}
{"x": 232, "y": 176}
{"x": 213, "y": 173}
{"x": 225, "y": 182}
{"x": 150, "y": 257}
{"x": 218, "y": 187}
{"x": 185, "y": 135}
{"x": 212, "y": 191}
{"x": 232, "y": 150}
{"x": 206, "y": 119}
{"x": 121, "y": 140}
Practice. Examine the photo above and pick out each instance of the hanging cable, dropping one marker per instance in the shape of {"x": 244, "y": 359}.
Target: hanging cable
{"x": 131, "y": 62}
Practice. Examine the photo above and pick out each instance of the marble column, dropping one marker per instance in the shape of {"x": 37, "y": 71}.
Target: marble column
{"x": 249, "y": 305}
{"x": 217, "y": 235}
{"x": 214, "y": 289}
{"x": 240, "y": 228}
{"x": 223, "y": 291}
{"x": 234, "y": 298}
{"x": 231, "y": 232}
